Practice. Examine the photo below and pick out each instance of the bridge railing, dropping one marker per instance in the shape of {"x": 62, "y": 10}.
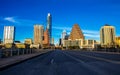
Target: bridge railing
{"x": 15, "y": 52}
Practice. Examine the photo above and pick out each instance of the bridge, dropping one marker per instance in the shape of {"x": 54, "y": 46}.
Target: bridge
{"x": 67, "y": 62}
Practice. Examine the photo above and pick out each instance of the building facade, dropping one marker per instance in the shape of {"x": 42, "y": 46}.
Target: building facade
{"x": 76, "y": 33}
{"x": 28, "y": 41}
{"x": 0, "y": 41}
{"x": 46, "y": 38}
{"x": 117, "y": 41}
{"x": 52, "y": 41}
{"x": 89, "y": 44}
{"x": 76, "y": 38}
{"x": 107, "y": 36}
{"x": 49, "y": 26}
{"x": 9, "y": 34}
{"x": 63, "y": 35}
{"x": 73, "y": 43}
{"x": 38, "y": 34}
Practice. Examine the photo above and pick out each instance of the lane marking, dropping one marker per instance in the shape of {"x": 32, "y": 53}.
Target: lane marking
{"x": 52, "y": 61}
{"x": 73, "y": 57}
{"x": 103, "y": 59}
{"x": 98, "y": 71}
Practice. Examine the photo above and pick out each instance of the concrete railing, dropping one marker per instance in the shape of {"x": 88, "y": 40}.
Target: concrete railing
{"x": 16, "y": 52}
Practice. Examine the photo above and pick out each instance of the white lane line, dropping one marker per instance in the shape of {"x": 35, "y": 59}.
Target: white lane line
{"x": 103, "y": 59}
{"x": 73, "y": 57}
{"x": 52, "y": 61}
{"x": 87, "y": 66}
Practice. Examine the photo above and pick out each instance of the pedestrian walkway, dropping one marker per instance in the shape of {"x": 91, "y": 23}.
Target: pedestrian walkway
{"x": 5, "y": 62}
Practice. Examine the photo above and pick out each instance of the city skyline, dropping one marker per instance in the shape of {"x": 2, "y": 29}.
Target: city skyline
{"x": 90, "y": 15}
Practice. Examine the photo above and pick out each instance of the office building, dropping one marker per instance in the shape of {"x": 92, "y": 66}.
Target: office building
{"x": 38, "y": 34}
{"x": 0, "y": 41}
{"x": 46, "y": 38}
{"x": 89, "y": 44}
{"x": 76, "y": 33}
{"x": 63, "y": 36}
{"x": 73, "y": 43}
{"x": 49, "y": 26}
{"x": 52, "y": 41}
{"x": 9, "y": 34}
{"x": 60, "y": 42}
{"x": 20, "y": 45}
{"x": 107, "y": 36}
{"x": 75, "y": 39}
{"x": 28, "y": 41}
{"x": 117, "y": 41}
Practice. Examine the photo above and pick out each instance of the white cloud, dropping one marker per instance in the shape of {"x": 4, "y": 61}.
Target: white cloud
{"x": 90, "y": 31}
{"x": 22, "y": 22}
{"x": 87, "y": 33}
{"x": 10, "y": 19}
{"x": 62, "y": 28}
{"x": 92, "y": 36}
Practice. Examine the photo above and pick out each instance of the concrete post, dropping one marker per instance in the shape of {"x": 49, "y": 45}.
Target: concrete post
{"x": 11, "y": 52}
{"x": 23, "y": 51}
{"x": 18, "y": 51}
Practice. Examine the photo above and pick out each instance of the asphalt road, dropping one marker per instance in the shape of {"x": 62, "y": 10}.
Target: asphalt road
{"x": 68, "y": 63}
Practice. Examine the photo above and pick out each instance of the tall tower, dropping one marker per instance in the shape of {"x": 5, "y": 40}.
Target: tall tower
{"x": 8, "y": 34}
{"x": 64, "y": 33}
{"x": 38, "y": 34}
{"x": 76, "y": 33}
{"x": 46, "y": 38}
{"x": 49, "y": 26}
{"x": 107, "y": 35}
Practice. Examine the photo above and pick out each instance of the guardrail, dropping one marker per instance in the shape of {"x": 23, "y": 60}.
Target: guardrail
{"x": 15, "y": 52}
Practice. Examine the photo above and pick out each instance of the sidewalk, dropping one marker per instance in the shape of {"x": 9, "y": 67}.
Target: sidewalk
{"x": 10, "y": 61}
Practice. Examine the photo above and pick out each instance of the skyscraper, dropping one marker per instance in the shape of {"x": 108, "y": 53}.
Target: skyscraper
{"x": 52, "y": 41}
{"x": 64, "y": 34}
{"x": 46, "y": 38}
{"x": 107, "y": 35}
{"x": 75, "y": 39}
{"x": 9, "y": 34}
{"x": 49, "y": 26}
{"x": 76, "y": 33}
{"x": 38, "y": 34}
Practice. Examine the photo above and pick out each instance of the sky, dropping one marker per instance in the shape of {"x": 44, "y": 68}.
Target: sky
{"x": 91, "y": 15}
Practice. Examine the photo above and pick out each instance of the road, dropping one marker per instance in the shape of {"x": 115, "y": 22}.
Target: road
{"x": 68, "y": 63}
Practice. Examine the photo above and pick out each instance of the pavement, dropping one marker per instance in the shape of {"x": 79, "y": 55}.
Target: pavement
{"x": 10, "y": 61}
{"x": 68, "y": 63}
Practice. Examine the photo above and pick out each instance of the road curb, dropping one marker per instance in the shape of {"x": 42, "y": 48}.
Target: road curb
{"x": 6, "y": 66}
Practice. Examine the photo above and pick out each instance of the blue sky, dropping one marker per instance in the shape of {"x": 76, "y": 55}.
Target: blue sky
{"x": 89, "y": 14}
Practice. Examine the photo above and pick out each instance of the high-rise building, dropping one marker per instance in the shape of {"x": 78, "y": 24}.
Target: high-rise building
{"x": 64, "y": 34}
{"x": 75, "y": 39}
{"x": 49, "y": 26}
{"x": 0, "y": 41}
{"x": 46, "y": 38}
{"x": 107, "y": 36}
{"x": 9, "y": 34}
{"x": 60, "y": 42}
{"x": 52, "y": 41}
{"x": 76, "y": 33}
{"x": 117, "y": 41}
{"x": 38, "y": 34}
